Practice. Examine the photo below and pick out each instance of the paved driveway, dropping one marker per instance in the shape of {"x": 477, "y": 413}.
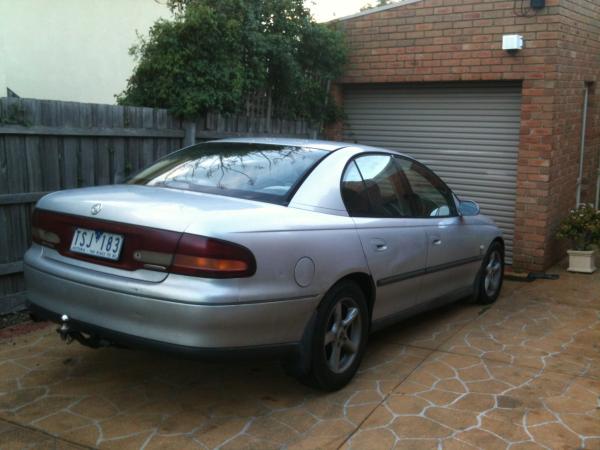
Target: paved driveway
{"x": 523, "y": 374}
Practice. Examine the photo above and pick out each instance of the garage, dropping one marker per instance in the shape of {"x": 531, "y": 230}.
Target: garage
{"x": 467, "y": 133}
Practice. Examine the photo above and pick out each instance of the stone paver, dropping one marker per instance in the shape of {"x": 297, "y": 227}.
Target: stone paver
{"x": 20, "y": 438}
{"x": 535, "y": 334}
{"x": 120, "y": 398}
{"x": 471, "y": 402}
{"x": 524, "y": 373}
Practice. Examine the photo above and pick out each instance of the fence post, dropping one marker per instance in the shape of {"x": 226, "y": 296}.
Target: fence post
{"x": 269, "y": 113}
{"x": 190, "y": 133}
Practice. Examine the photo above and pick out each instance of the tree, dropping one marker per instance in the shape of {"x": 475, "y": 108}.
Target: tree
{"x": 377, "y": 5}
{"x": 216, "y": 55}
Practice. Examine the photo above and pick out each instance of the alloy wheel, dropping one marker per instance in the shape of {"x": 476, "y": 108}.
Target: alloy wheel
{"x": 493, "y": 273}
{"x": 343, "y": 336}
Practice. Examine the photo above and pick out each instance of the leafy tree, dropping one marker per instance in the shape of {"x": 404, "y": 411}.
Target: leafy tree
{"x": 216, "y": 55}
{"x": 378, "y": 4}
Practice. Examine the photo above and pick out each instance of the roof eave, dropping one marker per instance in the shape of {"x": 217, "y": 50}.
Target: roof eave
{"x": 374, "y": 10}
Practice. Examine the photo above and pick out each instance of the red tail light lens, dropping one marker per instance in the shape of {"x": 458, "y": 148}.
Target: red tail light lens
{"x": 212, "y": 258}
{"x": 40, "y": 234}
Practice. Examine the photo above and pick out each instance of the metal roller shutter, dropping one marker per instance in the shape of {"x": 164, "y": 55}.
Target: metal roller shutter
{"x": 468, "y": 134}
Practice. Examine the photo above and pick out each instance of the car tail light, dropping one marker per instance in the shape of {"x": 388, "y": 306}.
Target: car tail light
{"x": 40, "y": 234}
{"x": 212, "y": 258}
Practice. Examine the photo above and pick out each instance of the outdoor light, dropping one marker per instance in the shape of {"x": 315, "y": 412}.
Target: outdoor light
{"x": 512, "y": 42}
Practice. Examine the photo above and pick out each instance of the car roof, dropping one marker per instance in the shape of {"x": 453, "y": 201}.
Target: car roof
{"x": 312, "y": 143}
{"x": 294, "y": 142}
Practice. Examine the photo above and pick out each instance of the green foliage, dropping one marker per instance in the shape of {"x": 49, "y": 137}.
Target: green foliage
{"x": 581, "y": 227}
{"x": 216, "y": 55}
{"x": 376, "y": 5}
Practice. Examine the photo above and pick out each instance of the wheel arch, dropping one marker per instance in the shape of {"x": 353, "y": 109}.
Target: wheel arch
{"x": 500, "y": 240}
{"x": 301, "y": 365}
{"x": 365, "y": 283}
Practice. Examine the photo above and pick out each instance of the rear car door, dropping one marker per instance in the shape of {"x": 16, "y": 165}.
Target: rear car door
{"x": 377, "y": 197}
{"x": 453, "y": 247}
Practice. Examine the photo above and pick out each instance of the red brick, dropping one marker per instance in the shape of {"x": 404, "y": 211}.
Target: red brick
{"x": 439, "y": 11}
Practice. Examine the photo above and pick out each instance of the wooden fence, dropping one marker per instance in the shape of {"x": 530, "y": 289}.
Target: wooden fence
{"x": 50, "y": 145}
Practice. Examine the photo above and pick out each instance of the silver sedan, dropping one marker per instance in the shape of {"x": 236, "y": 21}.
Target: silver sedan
{"x": 288, "y": 247}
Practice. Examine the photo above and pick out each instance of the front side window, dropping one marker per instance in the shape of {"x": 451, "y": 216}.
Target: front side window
{"x": 378, "y": 185}
{"x": 372, "y": 186}
{"x": 430, "y": 197}
{"x": 253, "y": 171}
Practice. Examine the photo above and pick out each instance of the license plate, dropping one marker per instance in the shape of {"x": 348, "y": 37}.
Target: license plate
{"x": 97, "y": 243}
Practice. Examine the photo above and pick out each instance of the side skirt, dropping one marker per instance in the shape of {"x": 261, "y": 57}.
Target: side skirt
{"x": 417, "y": 309}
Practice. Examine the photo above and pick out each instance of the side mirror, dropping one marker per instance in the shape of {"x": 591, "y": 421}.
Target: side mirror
{"x": 468, "y": 208}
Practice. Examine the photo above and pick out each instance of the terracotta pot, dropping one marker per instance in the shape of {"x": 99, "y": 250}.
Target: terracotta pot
{"x": 582, "y": 261}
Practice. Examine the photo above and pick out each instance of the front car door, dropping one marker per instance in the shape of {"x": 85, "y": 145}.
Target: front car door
{"x": 378, "y": 199}
{"x": 454, "y": 251}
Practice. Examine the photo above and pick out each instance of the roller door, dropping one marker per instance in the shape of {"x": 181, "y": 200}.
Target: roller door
{"x": 467, "y": 133}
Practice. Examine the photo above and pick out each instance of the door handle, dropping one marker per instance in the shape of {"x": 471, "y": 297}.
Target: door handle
{"x": 436, "y": 241}
{"x": 379, "y": 244}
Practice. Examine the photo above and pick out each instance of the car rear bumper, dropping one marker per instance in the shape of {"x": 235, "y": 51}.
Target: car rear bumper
{"x": 130, "y": 318}
{"x": 105, "y": 337}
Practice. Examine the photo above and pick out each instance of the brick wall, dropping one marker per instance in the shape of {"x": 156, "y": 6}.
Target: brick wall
{"x": 578, "y": 64}
{"x": 461, "y": 40}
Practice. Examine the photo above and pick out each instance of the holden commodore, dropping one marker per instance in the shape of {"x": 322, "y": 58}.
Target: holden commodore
{"x": 295, "y": 248}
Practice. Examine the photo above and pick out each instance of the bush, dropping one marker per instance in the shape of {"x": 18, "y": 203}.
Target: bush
{"x": 216, "y": 55}
{"x": 581, "y": 227}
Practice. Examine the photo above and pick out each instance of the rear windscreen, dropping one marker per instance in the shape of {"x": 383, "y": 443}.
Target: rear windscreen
{"x": 254, "y": 171}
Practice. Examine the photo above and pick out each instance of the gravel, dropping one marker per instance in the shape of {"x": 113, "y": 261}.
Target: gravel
{"x": 8, "y": 320}
{"x": 18, "y": 324}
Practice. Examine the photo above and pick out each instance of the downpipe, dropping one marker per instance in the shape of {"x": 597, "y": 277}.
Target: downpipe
{"x": 582, "y": 146}
{"x": 598, "y": 184}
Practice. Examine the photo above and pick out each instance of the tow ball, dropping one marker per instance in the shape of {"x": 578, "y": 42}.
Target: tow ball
{"x": 69, "y": 335}
{"x": 64, "y": 330}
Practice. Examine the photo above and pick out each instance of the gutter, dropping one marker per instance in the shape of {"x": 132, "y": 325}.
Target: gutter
{"x": 374, "y": 10}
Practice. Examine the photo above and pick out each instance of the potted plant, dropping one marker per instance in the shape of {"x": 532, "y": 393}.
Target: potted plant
{"x": 582, "y": 228}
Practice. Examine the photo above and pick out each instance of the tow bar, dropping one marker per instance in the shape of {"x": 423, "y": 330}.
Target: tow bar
{"x": 63, "y": 330}
{"x": 69, "y": 335}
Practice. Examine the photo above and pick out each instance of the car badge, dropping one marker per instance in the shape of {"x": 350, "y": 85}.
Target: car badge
{"x": 96, "y": 208}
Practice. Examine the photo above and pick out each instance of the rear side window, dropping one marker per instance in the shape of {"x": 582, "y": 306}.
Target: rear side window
{"x": 268, "y": 173}
{"x": 354, "y": 192}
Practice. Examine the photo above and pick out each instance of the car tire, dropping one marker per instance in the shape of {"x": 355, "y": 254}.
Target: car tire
{"x": 336, "y": 341}
{"x": 491, "y": 275}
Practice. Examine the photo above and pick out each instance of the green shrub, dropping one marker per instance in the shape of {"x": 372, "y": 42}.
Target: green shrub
{"x": 581, "y": 227}
{"x": 218, "y": 55}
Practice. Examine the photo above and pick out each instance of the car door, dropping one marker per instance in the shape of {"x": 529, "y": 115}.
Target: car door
{"x": 453, "y": 246}
{"x": 394, "y": 244}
